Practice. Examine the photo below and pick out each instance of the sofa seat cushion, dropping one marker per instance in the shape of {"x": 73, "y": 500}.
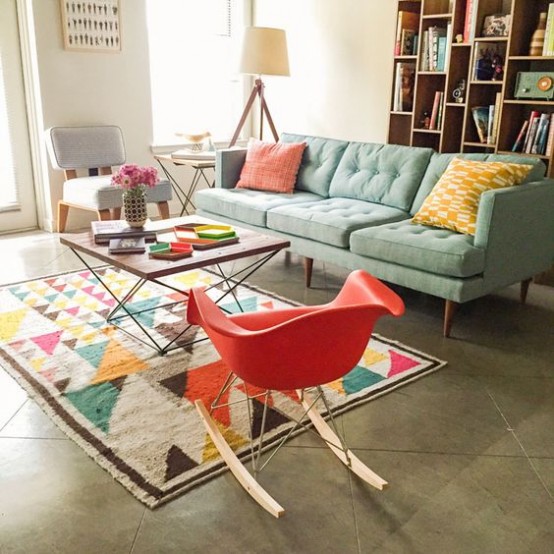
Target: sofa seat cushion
{"x": 429, "y": 249}
{"x": 319, "y": 162}
{"x": 386, "y": 174}
{"x": 246, "y": 205}
{"x": 331, "y": 220}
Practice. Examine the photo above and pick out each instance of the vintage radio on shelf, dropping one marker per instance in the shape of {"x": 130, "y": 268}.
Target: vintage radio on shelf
{"x": 535, "y": 84}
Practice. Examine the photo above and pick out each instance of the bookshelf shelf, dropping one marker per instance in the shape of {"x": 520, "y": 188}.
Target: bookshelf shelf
{"x": 437, "y": 16}
{"x": 529, "y": 102}
{"x": 456, "y": 124}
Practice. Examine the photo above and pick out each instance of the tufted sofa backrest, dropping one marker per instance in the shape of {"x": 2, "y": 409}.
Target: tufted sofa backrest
{"x": 439, "y": 162}
{"x": 319, "y": 162}
{"x": 387, "y": 174}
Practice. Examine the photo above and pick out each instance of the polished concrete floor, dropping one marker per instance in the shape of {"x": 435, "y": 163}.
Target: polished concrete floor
{"x": 469, "y": 450}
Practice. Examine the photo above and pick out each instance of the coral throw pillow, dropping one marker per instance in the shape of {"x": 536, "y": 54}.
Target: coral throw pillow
{"x": 271, "y": 166}
{"x": 453, "y": 202}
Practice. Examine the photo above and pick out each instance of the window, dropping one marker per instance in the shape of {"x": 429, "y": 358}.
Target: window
{"x": 193, "y": 66}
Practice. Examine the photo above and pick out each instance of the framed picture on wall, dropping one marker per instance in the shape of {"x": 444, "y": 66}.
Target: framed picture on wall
{"x": 91, "y": 25}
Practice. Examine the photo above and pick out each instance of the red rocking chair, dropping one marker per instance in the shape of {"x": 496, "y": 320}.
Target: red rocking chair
{"x": 302, "y": 347}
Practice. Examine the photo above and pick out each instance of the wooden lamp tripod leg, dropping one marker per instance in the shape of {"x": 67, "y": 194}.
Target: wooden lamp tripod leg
{"x": 257, "y": 90}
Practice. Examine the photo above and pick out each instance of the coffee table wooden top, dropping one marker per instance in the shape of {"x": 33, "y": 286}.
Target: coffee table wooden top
{"x": 250, "y": 243}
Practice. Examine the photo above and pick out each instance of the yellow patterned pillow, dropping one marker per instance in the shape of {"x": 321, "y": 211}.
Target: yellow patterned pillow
{"x": 453, "y": 202}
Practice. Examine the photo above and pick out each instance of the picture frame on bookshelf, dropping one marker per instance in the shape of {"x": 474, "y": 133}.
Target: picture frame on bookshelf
{"x": 496, "y": 25}
{"x": 488, "y": 63}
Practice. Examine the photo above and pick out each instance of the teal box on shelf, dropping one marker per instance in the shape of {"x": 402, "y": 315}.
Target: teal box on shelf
{"x": 534, "y": 84}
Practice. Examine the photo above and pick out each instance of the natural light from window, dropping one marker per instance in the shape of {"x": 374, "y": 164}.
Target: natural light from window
{"x": 8, "y": 198}
{"x": 194, "y": 48}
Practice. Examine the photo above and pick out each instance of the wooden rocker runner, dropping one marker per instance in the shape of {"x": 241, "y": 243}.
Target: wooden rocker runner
{"x": 303, "y": 347}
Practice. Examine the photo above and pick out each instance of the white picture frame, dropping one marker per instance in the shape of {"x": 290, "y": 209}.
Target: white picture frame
{"x": 91, "y": 25}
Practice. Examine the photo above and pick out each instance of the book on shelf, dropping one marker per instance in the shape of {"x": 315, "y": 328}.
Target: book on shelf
{"x": 434, "y": 36}
{"x": 550, "y": 138}
{"x": 127, "y": 245}
{"x": 448, "y": 46}
{"x": 489, "y": 124}
{"x": 494, "y": 116}
{"x": 548, "y": 47}
{"x": 470, "y": 20}
{"x": 424, "y": 63}
{"x": 406, "y": 20}
{"x": 531, "y": 130}
{"x": 538, "y": 145}
{"x": 404, "y": 87}
{"x": 520, "y": 140}
{"x": 481, "y": 119}
{"x": 434, "y": 123}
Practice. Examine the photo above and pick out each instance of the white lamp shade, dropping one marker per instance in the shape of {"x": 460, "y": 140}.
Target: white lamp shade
{"x": 264, "y": 52}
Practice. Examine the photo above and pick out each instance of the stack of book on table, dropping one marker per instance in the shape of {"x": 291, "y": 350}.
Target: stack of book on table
{"x": 104, "y": 231}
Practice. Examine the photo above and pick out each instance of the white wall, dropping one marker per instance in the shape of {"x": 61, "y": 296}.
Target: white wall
{"x": 81, "y": 88}
{"x": 340, "y": 54}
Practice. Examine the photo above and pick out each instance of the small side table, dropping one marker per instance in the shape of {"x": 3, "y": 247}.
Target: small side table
{"x": 185, "y": 194}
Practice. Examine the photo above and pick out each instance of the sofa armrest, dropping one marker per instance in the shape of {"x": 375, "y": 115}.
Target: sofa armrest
{"x": 228, "y": 165}
{"x": 515, "y": 226}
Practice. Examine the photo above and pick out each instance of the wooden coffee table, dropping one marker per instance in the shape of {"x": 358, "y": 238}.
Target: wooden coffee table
{"x": 251, "y": 244}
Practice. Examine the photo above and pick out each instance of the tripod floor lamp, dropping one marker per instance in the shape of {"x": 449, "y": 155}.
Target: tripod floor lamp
{"x": 264, "y": 52}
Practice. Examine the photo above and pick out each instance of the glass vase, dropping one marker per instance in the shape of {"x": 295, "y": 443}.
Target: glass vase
{"x": 134, "y": 208}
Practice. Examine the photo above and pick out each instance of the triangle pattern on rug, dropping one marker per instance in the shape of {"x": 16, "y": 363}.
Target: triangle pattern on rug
{"x": 400, "y": 363}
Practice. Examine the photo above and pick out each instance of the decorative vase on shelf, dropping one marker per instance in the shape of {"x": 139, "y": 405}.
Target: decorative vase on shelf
{"x": 537, "y": 39}
{"x": 134, "y": 207}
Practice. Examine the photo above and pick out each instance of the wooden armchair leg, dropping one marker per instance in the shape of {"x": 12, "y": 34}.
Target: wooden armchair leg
{"x": 163, "y": 209}
{"x": 63, "y": 210}
{"x": 450, "y": 308}
{"x": 524, "y": 290}
{"x": 308, "y": 266}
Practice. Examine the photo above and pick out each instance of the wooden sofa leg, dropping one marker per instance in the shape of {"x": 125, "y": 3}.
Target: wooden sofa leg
{"x": 450, "y": 308}
{"x": 308, "y": 266}
{"x": 524, "y": 290}
{"x": 63, "y": 210}
{"x": 163, "y": 209}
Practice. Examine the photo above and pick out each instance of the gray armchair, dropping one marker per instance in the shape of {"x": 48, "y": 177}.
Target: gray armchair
{"x": 95, "y": 149}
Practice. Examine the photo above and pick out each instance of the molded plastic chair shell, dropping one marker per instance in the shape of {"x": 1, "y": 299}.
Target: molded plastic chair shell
{"x": 297, "y": 347}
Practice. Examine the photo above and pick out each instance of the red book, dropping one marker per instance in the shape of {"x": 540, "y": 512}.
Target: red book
{"x": 469, "y": 22}
{"x": 435, "y": 111}
{"x": 531, "y": 129}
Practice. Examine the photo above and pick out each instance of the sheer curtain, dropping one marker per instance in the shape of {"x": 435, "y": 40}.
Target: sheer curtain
{"x": 9, "y": 197}
{"x": 193, "y": 64}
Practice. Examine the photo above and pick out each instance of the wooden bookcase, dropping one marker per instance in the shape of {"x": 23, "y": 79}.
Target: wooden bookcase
{"x": 458, "y": 132}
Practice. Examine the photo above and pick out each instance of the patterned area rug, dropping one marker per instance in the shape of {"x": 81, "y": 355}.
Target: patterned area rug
{"x": 132, "y": 410}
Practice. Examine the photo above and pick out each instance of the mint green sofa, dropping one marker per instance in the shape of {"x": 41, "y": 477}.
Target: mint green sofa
{"x": 353, "y": 203}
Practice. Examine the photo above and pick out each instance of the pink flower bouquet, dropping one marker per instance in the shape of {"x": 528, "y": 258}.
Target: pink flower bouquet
{"x": 134, "y": 179}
